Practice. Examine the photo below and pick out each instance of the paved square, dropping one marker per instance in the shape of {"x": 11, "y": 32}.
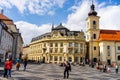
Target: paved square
{"x": 55, "y": 72}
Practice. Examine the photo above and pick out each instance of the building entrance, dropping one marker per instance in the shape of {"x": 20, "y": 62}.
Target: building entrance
{"x": 109, "y": 62}
{"x": 95, "y": 60}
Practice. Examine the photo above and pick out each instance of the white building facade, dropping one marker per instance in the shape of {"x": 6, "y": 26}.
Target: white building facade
{"x": 17, "y": 41}
{"x": 6, "y": 42}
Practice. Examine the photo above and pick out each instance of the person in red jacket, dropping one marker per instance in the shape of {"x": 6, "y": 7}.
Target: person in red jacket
{"x": 8, "y": 66}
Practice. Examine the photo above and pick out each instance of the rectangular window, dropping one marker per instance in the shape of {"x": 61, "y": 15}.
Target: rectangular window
{"x": 94, "y": 48}
{"x": 51, "y": 57}
{"x": 76, "y": 44}
{"x": 61, "y": 44}
{"x": 51, "y": 45}
{"x": 61, "y": 50}
{"x": 44, "y": 45}
{"x": 70, "y": 44}
{"x": 81, "y": 51}
{"x": 55, "y": 58}
{"x": 108, "y": 47}
{"x": 76, "y": 50}
{"x": 60, "y": 58}
{"x": 56, "y": 50}
{"x": 56, "y": 45}
{"x": 118, "y": 47}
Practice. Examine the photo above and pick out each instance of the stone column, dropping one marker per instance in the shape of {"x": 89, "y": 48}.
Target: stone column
{"x": 72, "y": 58}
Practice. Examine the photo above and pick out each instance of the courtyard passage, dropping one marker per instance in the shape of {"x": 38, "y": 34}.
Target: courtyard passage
{"x": 55, "y": 72}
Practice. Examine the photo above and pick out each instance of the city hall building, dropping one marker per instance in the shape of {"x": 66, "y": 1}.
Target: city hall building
{"x": 58, "y": 46}
{"x": 61, "y": 44}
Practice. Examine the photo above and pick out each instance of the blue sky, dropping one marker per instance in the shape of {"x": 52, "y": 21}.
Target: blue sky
{"x": 35, "y": 17}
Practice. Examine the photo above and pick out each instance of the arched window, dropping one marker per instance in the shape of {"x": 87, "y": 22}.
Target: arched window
{"x": 94, "y": 22}
{"x": 94, "y": 36}
{"x": 119, "y": 57}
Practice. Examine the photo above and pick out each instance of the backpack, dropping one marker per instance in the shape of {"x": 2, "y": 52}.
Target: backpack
{"x": 17, "y": 64}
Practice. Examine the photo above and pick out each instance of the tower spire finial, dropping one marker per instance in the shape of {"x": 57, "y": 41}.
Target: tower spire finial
{"x": 92, "y": 1}
{"x": 92, "y": 10}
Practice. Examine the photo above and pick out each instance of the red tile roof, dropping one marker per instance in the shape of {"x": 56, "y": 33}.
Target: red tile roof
{"x": 5, "y": 19}
{"x": 109, "y": 35}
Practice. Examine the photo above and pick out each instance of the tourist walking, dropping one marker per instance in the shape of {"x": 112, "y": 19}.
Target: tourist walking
{"x": 25, "y": 64}
{"x": 17, "y": 64}
{"x": 104, "y": 68}
{"x": 67, "y": 69}
{"x": 116, "y": 69}
{"x": 5, "y": 69}
{"x": 8, "y": 67}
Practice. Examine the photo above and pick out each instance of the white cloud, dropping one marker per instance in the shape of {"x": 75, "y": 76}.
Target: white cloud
{"x": 109, "y": 19}
{"x": 109, "y": 15}
{"x": 76, "y": 20}
{"x": 5, "y": 3}
{"x": 29, "y": 30}
{"x": 39, "y": 7}
{"x": 51, "y": 12}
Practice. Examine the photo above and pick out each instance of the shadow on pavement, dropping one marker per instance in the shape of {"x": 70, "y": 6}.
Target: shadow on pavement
{"x": 1, "y": 72}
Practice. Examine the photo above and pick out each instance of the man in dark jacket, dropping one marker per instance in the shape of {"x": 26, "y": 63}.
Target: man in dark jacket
{"x": 67, "y": 69}
{"x": 25, "y": 64}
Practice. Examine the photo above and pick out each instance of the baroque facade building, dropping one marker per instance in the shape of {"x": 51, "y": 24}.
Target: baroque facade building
{"x": 57, "y": 46}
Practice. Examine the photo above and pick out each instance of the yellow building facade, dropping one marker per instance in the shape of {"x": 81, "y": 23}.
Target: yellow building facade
{"x": 102, "y": 45}
{"x": 58, "y": 46}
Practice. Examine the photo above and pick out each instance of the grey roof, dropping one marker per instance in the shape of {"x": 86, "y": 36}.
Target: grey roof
{"x": 60, "y": 27}
{"x": 63, "y": 31}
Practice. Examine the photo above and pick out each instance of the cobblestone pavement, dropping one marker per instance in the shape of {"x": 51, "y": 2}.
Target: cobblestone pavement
{"x": 55, "y": 72}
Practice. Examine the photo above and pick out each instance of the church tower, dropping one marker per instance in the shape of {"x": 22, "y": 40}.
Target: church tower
{"x": 92, "y": 34}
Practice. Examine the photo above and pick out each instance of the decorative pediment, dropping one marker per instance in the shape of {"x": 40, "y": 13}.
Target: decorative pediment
{"x": 56, "y": 34}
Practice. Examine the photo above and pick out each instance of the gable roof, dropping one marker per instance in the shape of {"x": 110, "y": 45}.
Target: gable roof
{"x": 5, "y": 19}
{"x": 109, "y": 35}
